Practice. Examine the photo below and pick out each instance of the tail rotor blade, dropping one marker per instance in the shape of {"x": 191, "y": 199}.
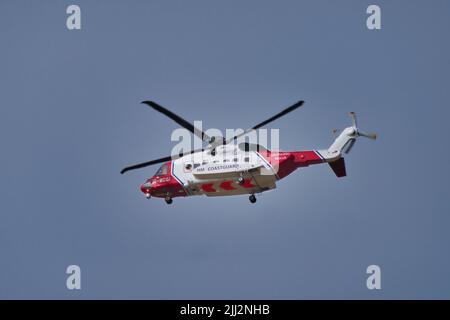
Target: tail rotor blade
{"x": 372, "y": 135}
{"x": 354, "y": 123}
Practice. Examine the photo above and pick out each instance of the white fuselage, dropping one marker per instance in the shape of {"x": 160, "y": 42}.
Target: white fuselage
{"x": 230, "y": 171}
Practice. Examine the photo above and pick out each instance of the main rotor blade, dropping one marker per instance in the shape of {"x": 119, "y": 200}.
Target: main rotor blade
{"x": 185, "y": 124}
{"x": 200, "y": 133}
{"x": 275, "y": 117}
{"x": 145, "y": 164}
{"x": 165, "y": 159}
{"x": 279, "y": 115}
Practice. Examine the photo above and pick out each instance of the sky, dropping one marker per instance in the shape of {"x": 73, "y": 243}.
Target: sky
{"x": 71, "y": 119}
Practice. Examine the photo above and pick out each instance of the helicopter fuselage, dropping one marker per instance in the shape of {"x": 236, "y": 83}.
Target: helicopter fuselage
{"x": 230, "y": 171}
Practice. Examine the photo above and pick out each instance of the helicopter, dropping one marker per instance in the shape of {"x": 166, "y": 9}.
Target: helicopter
{"x": 226, "y": 168}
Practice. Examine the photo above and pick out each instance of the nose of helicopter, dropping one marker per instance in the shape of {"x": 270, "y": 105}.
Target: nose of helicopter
{"x": 145, "y": 187}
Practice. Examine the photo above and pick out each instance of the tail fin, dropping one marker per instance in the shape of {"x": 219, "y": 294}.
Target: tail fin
{"x": 338, "y": 167}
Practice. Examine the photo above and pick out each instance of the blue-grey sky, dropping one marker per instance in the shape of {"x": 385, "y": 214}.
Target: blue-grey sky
{"x": 70, "y": 119}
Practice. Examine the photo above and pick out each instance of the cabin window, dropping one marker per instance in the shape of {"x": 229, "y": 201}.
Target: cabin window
{"x": 163, "y": 170}
{"x": 188, "y": 166}
{"x": 247, "y": 159}
{"x": 235, "y": 159}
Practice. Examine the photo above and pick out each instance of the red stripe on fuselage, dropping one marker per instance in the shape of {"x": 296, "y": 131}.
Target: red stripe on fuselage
{"x": 226, "y": 185}
{"x": 208, "y": 187}
{"x": 248, "y": 183}
{"x": 284, "y": 163}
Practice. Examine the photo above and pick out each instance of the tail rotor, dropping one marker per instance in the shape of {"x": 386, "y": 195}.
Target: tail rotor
{"x": 357, "y": 133}
{"x": 344, "y": 144}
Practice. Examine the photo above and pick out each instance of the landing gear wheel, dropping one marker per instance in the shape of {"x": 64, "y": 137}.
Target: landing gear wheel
{"x": 252, "y": 198}
{"x": 169, "y": 200}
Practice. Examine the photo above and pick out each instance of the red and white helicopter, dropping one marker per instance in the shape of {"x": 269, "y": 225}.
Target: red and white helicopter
{"x": 224, "y": 168}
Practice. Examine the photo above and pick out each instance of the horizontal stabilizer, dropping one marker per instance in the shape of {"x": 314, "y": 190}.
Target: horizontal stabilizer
{"x": 338, "y": 167}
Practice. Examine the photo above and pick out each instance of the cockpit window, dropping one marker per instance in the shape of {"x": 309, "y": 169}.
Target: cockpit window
{"x": 163, "y": 170}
